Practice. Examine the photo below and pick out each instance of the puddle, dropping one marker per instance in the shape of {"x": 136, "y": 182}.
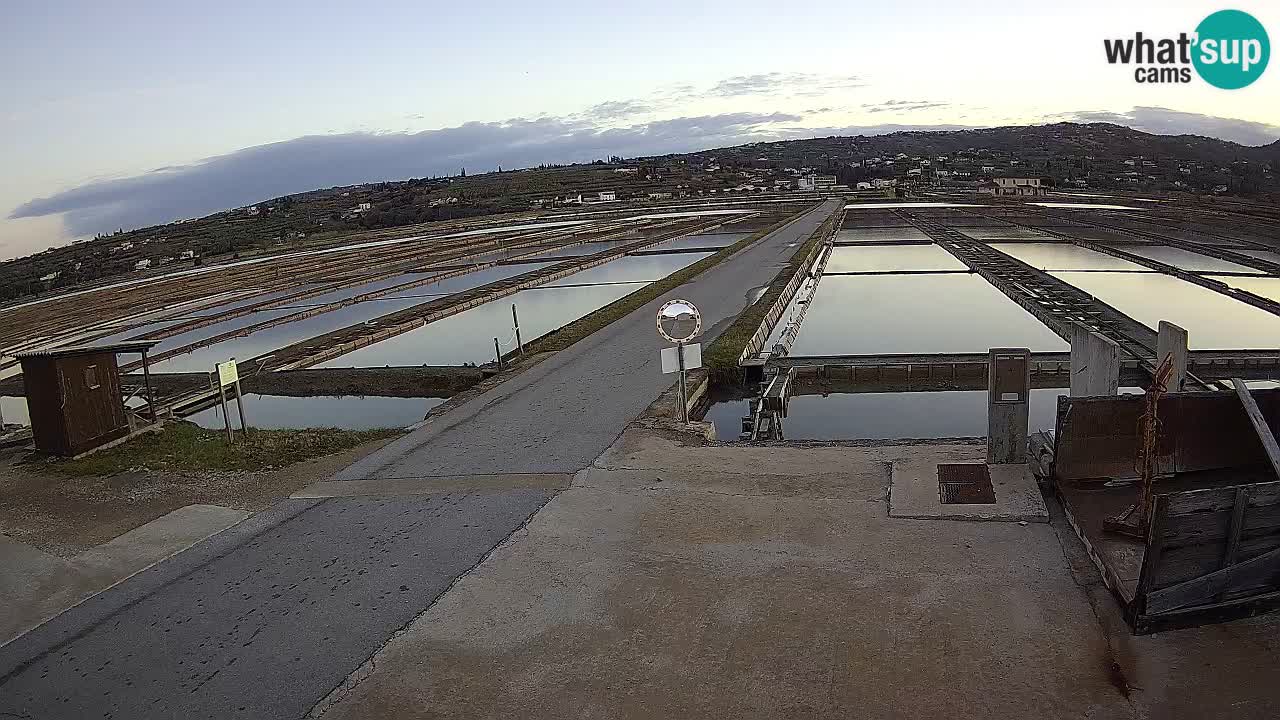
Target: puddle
{"x": 880, "y": 314}
{"x": 349, "y": 412}
{"x": 1065, "y": 256}
{"x": 14, "y": 410}
{"x": 1213, "y": 321}
{"x": 891, "y": 258}
{"x": 1187, "y": 260}
{"x": 888, "y": 416}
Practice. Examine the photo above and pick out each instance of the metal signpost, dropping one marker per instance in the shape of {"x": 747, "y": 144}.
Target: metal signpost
{"x": 229, "y": 376}
{"x": 679, "y": 322}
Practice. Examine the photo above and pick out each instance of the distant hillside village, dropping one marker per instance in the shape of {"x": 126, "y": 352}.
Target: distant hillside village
{"x": 1011, "y": 161}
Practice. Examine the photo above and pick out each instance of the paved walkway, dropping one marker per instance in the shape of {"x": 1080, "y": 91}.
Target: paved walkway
{"x": 262, "y": 621}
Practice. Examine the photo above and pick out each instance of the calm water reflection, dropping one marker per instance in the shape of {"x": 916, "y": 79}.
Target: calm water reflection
{"x": 1267, "y": 287}
{"x": 853, "y": 235}
{"x": 274, "y": 338}
{"x": 468, "y": 336}
{"x": 1187, "y": 260}
{"x": 350, "y": 412}
{"x": 868, "y": 416}
{"x": 1065, "y": 256}
{"x": 863, "y": 315}
{"x": 632, "y": 268}
{"x": 890, "y": 258}
{"x": 1212, "y": 320}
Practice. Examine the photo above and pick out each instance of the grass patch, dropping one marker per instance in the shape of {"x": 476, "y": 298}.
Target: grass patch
{"x": 186, "y": 446}
{"x": 623, "y": 306}
{"x": 721, "y": 358}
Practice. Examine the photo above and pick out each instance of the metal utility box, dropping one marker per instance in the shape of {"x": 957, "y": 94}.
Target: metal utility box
{"x": 73, "y": 396}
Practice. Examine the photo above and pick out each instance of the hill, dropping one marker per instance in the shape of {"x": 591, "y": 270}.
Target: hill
{"x": 1094, "y": 156}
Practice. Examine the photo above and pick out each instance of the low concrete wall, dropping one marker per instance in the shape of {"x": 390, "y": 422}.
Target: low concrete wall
{"x": 812, "y": 264}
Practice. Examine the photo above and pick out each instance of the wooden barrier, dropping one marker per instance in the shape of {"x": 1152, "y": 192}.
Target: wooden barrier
{"x": 1211, "y": 551}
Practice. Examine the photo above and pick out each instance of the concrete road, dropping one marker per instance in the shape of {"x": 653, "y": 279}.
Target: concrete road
{"x": 560, "y": 415}
{"x": 264, "y": 620}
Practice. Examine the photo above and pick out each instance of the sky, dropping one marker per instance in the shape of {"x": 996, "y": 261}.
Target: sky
{"x": 136, "y": 112}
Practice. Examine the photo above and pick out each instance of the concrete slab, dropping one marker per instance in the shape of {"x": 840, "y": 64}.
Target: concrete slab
{"x": 706, "y": 587}
{"x": 36, "y": 586}
{"x": 914, "y": 493}
{"x": 149, "y": 544}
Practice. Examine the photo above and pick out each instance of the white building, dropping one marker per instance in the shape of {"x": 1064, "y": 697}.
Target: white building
{"x": 608, "y": 195}
{"x": 187, "y": 255}
{"x": 1015, "y": 186}
{"x": 142, "y": 264}
{"x": 805, "y": 182}
{"x": 824, "y": 182}
{"x": 659, "y": 196}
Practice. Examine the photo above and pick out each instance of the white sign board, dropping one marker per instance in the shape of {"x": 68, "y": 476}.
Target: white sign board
{"x": 227, "y": 374}
{"x": 692, "y": 358}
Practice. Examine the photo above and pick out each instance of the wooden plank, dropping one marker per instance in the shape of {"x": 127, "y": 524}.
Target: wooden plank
{"x": 1216, "y": 527}
{"x": 1237, "y": 525}
{"x": 1177, "y": 565}
{"x": 1222, "y": 498}
{"x": 1155, "y": 547}
{"x": 1201, "y": 590}
{"x": 1233, "y": 532}
{"x": 1260, "y": 425}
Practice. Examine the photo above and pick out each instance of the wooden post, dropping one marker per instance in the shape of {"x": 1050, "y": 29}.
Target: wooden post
{"x": 226, "y": 417}
{"x": 146, "y": 376}
{"x": 515, "y": 319}
{"x": 497, "y": 351}
{"x": 244, "y": 427}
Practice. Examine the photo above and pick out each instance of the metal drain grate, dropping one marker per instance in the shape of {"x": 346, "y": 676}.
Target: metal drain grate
{"x": 965, "y": 485}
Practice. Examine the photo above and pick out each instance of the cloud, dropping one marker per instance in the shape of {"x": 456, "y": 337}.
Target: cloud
{"x": 318, "y": 161}
{"x": 779, "y": 83}
{"x": 1163, "y": 121}
{"x": 903, "y": 106}
{"x": 617, "y": 109}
